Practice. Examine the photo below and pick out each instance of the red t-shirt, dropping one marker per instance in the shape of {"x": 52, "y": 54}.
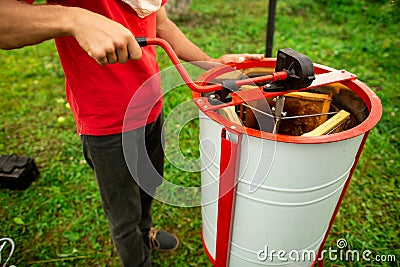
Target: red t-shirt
{"x": 113, "y": 98}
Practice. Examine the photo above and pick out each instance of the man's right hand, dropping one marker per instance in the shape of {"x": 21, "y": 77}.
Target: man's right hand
{"x": 103, "y": 39}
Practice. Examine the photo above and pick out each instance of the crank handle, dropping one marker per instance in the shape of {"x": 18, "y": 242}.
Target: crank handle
{"x": 234, "y": 85}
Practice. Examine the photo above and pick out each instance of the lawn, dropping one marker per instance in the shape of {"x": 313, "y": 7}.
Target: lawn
{"x": 58, "y": 220}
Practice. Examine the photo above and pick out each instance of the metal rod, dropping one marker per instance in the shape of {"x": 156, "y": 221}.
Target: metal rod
{"x": 260, "y": 111}
{"x": 270, "y": 28}
{"x": 279, "y": 113}
{"x": 308, "y": 115}
{"x": 291, "y": 117}
{"x": 340, "y": 124}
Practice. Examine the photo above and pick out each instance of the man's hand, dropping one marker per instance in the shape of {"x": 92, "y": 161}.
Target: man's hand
{"x": 103, "y": 39}
{"x": 237, "y": 58}
{"x": 227, "y": 58}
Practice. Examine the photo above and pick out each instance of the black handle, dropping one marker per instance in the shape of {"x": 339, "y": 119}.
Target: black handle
{"x": 141, "y": 41}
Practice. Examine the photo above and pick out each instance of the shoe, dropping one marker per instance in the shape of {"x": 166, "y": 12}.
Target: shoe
{"x": 162, "y": 241}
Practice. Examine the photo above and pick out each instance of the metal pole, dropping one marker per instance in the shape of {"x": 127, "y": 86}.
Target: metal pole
{"x": 270, "y": 28}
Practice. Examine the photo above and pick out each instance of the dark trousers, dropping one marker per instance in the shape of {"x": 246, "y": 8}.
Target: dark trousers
{"x": 128, "y": 168}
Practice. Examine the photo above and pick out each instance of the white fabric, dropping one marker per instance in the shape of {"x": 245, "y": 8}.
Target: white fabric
{"x": 144, "y": 7}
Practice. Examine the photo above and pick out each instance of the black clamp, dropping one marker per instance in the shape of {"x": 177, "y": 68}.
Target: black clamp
{"x": 224, "y": 95}
{"x": 299, "y": 68}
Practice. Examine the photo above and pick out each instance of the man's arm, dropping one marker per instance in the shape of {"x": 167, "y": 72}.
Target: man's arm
{"x": 103, "y": 39}
{"x": 23, "y": 24}
{"x": 188, "y": 51}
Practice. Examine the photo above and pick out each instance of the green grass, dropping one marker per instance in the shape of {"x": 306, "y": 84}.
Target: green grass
{"x": 58, "y": 221}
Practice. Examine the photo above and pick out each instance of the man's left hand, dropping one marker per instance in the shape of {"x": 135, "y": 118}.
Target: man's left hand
{"x": 238, "y": 58}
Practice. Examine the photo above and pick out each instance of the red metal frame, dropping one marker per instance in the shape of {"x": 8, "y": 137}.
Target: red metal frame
{"x": 226, "y": 196}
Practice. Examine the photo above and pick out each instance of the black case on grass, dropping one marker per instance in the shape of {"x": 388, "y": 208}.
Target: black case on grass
{"x": 17, "y": 172}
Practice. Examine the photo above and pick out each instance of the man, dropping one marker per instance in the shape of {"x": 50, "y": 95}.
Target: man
{"x": 104, "y": 69}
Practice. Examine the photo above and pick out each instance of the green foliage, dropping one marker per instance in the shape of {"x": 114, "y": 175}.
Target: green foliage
{"x": 58, "y": 221}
